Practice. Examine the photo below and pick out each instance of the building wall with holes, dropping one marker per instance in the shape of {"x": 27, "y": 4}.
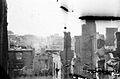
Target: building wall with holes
{"x": 56, "y": 65}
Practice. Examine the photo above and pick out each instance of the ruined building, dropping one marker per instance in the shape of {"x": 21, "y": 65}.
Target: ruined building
{"x": 67, "y": 54}
{"x": 78, "y": 45}
{"x": 110, "y": 36}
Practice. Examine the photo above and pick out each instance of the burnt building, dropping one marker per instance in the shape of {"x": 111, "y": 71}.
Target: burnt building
{"x": 78, "y": 45}
{"x": 67, "y": 54}
{"x": 88, "y": 45}
{"x": 87, "y": 33}
{"x": 19, "y": 59}
{"x": 42, "y": 64}
{"x": 88, "y": 40}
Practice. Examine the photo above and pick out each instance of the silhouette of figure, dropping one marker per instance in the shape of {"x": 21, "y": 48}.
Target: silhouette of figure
{"x": 57, "y": 71}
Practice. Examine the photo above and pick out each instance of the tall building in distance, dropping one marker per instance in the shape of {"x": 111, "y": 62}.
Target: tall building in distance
{"x": 110, "y": 36}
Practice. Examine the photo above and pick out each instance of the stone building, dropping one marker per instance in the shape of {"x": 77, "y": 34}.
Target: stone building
{"x": 42, "y": 64}
{"x": 77, "y": 68}
{"x": 19, "y": 59}
{"x": 88, "y": 42}
{"x": 88, "y": 48}
{"x": 67, "y": 54}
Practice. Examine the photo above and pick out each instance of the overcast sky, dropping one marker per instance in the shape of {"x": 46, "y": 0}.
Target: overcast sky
{"x": 44, "y": 17}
